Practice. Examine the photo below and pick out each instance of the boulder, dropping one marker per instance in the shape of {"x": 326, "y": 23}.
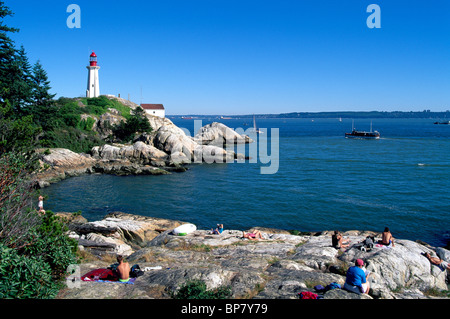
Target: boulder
{"x": 182, "y": 149}
{"x": 400, "y": 266}
{"x": 64, "y": 158}
{"x": 220, "y": 135}
{"x": 139, "y": 153}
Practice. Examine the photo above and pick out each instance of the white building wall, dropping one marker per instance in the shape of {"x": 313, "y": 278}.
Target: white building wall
{"x": 160, "y": 113}
{"x": 93, "y": 88}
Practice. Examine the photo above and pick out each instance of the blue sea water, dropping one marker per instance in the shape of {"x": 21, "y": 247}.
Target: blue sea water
{"x": 324, "y": 182}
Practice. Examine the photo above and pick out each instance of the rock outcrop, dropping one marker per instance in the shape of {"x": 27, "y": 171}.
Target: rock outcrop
{"x": 279, "y": 266}
{"x": 168, "y": 148}
{"x": 139, "y": 153}
{"x": 220, "y": 135}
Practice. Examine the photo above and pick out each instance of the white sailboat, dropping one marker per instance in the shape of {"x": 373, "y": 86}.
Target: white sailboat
{"x": 256, "y": 130}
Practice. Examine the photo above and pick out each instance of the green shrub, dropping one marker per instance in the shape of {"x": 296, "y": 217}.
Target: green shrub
{"x": 24, "y": 276}
{"x": 53, "y": 246}
{"x": 36, "y": 270}
{"x": 138, "y": 122}
{"x": 71, "y": 138}
{"x": 87, "y": 124}
{"x": 99, "y": 105}
{"x": 196, "y": 289}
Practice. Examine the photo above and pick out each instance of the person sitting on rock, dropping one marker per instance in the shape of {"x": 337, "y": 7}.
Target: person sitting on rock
{"x": 337, "y": 240}
{"x": 218, "y": 230}
{"x": 386, "y": 238}
{"x": 252, "y": 236}
{"x": 356, "y": 280}
{"x": 123, "y": 270}
{"x": 435, "y": 260}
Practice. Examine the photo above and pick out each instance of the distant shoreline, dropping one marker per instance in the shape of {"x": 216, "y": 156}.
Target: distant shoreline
{"x": 426, "y": 114}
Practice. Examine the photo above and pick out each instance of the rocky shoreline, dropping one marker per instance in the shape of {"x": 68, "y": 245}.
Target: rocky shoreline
{"x": 165, "y": 150}
{"x": 278, "y": 267}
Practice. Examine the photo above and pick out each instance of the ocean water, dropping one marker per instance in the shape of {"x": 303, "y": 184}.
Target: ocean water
{"x": 323, "y": 182}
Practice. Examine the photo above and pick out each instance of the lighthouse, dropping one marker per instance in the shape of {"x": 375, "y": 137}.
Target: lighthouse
{"x": 93, "y": 86}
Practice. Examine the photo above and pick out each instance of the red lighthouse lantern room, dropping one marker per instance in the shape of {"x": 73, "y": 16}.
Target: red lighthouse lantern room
{"x": 93, "y": 59}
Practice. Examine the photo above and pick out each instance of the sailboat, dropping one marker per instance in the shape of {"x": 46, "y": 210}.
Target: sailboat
{"x": 256, "y": 130}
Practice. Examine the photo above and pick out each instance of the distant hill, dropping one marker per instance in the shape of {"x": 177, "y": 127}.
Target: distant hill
{"x": 343, "y": 114}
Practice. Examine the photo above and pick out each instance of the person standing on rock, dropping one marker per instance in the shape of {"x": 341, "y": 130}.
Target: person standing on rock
{"x": 41, "y": 204}
{"x": 356, "y": 280}
{"x": 123, "y": 270}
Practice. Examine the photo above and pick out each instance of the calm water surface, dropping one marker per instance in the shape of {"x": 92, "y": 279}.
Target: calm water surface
{"x": 324, "y": 182}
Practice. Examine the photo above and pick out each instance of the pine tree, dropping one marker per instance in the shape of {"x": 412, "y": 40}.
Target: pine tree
{"x": 41, "y": 87}
{"x": 17, "y": 132}
{"x": 12, "y": 86}
{"x": 22, "y": 86}
{"x": 5, "y": 12}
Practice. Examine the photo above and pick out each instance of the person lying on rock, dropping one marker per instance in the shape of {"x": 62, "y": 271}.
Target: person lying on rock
{"x": 435, "y": 260}
{"x": 123, "y": 270}
{"x": 252, "y": 236}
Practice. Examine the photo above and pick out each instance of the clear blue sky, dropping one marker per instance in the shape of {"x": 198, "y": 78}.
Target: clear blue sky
{"x": 244, "y": 57}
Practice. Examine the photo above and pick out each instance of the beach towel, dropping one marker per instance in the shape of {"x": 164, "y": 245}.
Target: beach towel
{"x": 104, "y": 275}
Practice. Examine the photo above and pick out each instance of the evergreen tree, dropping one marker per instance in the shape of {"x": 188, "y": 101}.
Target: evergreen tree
{"x": 41, "y": 87}
{"x": 9, "y": 70}
{"x": 17, "y": 131}
{"x": 5, "y": 12}
{"x": 23, "y": 84}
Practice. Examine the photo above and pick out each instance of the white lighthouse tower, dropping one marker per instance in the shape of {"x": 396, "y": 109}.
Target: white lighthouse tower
{"x": 93, "y": 86}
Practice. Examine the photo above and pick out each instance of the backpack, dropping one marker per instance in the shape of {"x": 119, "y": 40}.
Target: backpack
{"x": 333, "y": 285}
{"x": 368, "y": 242}
{"x": 136, "y": 271}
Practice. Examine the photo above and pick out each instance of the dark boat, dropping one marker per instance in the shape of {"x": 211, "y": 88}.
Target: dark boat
{"x": 442, "y": 123}
{"x": 363, "y": 134}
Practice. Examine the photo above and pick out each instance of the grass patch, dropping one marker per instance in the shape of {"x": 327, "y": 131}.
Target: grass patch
{"x": 434, "y": 292}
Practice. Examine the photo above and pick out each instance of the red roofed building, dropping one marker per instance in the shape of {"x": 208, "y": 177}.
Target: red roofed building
{"x": 154, "y": 109}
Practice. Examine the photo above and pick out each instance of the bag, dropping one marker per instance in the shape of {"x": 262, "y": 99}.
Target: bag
{"x": 136, "y": 271}
{"x": 307, "y": 295}
{"x": 333, "y": 285}
{"x": 368, "y": 242}
{"x": 319, "y": 288}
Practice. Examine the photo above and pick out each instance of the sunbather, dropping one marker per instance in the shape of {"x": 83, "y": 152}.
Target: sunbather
{"x": 123, "y": 270}
{"x": 253, "y": 236}
{"x": 435, "y": 260}
{"x": 386, "y": 238}
{"x": 338, "y": 241}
